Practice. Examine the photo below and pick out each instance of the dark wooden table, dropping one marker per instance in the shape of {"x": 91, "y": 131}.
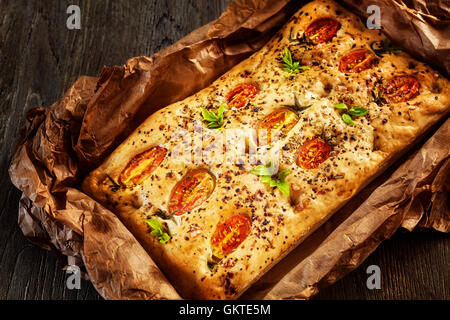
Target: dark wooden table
{"x": 41, "y": 58}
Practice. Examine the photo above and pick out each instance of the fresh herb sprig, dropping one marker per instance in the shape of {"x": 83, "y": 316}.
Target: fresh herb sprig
{"x": 268, "y": 176}
{"x": 302, "y": 41}
{"x": 354, "y": 111}
{"x": 377, "y": 98}
{"x": 114, "y": 186}
{"x": 158, "y": 230}
{"x": 213, "y": 119}
{"x": 163, "y": 214}
{"x": 297, "y": 106}
{"x": 384, "y": 47}
{"x": 291, "y": 66}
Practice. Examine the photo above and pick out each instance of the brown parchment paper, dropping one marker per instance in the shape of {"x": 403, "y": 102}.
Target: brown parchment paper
{"x": 421, "y": 27}
{"x": 415, "y": 195}
{"x": 61, "y": 143}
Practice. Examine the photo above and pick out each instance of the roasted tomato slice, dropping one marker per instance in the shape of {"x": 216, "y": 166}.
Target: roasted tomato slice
{"x": 283, "y": 119}
{"x": 322, "y": 30}
{"x": 141, "y": 166}
{"x": 191, "y": 191}
{"x": 356, "y": 61}
{"x": 229, "y": 235}
{"x": 313, "y": 153}
{"x": 241, "y": 95}
{"x": 401, "y": 89}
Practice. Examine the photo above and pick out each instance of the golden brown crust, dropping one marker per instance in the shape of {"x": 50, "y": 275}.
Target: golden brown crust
{"x": 278, "y": 223}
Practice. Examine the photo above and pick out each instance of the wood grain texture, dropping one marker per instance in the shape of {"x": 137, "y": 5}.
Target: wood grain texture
{"x": 41, "y": 58}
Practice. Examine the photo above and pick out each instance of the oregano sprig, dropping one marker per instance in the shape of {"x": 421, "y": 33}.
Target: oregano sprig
{"x": 376, "y": 98}
{"x": 385, "y": 47}
{"x": 297, "y": 106}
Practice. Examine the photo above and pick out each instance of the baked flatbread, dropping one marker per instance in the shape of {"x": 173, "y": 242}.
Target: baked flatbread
{"x": 323, "y": 108}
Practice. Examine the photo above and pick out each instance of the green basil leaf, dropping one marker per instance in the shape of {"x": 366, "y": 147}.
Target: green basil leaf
{"x": 273, "y": 182}
{"x": 358, "y": 111}
{"x": 214, "y": 120}
{"x": 212, "y": 125}
{"x": 157, "y": 231}
{"x": 264, "y": 170}
{"x": 289, "y": 65}
{"x": 266, "y": 176}
{"x": 282, "y": 174}
{"x": 221, "y": 110}
{"x": 164, "y": 238}
{"x": 266, "y": 179}
{"x": 284, "y": 188}
{"x": 208, "y": 116}
{"x": 260, "y": 171}
{"x": 347, "y": 119}
{"x": 154, "y": 224}
{"x": 287, "y": 57}
{"x": 341, "y": 106}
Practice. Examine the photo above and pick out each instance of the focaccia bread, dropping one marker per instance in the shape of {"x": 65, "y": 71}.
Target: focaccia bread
{"x": 327, "y": 102}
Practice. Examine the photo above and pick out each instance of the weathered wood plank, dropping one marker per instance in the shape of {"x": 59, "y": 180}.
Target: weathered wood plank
{"x": 413, "y": 266}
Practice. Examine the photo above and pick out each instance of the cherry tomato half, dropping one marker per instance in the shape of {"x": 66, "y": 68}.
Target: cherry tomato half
{"x": 401, "y": 89}
{"x": 356, "y": 61}
{"x": 191, "y": 191}
{"x": 322, "y": 30}
{"x": 313, "y": 153}
{"x": 241, "y": 95}
{"x": 142, "y": 165}
{"x": 283, "y": 119}
{"x": 229, "y": 235}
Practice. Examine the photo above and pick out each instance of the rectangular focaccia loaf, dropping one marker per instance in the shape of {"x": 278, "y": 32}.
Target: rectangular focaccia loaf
{"x": 214, "y": 227}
